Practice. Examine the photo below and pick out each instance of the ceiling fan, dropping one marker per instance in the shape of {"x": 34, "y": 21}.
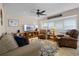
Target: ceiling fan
{"x": 39, "y": 12}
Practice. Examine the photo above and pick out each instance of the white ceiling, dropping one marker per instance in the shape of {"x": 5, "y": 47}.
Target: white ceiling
{"x": 29, "y": 9}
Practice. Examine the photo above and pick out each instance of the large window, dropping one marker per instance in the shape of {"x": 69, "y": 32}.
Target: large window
{"x": 70, "y": 23}
{"x": 44, "y": 26}
{"x": 59, "y": 26}
{"x": 62, "y": 24}
{"x": 51, "y": 25}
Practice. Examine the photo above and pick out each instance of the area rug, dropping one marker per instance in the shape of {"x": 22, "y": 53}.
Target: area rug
{"x": 48, "y": 48}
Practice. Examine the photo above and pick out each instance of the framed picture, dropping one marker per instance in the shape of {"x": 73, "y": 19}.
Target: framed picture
{"x": 1, "y": 17}
{"x": 13, "y": 22}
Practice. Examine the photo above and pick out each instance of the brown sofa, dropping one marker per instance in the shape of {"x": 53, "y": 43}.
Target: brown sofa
{"x": 42, "y": 34}
{"x": 70, "y": 40}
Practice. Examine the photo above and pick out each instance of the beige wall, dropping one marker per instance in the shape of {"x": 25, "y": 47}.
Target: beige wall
{"x": 22, "y": 20}
{"x": 31, "y": 20}
{"x": 28, "y": 20}
{"x": 3, "y": 27}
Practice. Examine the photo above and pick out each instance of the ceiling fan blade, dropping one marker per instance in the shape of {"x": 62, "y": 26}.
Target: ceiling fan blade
{"x": 42, "y": 11}
{"x": 42, "y": 14}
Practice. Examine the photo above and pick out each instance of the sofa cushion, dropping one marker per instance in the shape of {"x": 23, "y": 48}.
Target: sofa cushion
{"x": 7, "y": 43}
{"x": 21, "y": 41}
{"x": 27, "y": 50}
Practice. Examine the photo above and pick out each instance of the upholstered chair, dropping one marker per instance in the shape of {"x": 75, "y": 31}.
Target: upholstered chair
{"x": 69, "y": 40}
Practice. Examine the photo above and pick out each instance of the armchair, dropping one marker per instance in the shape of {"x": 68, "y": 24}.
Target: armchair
{"x": 70, "y": 40}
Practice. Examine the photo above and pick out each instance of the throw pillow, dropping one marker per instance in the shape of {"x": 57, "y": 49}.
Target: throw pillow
{"x": 21, "y": 41}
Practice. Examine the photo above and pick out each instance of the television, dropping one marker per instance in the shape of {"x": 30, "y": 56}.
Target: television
{"x": 28, "y": 28}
